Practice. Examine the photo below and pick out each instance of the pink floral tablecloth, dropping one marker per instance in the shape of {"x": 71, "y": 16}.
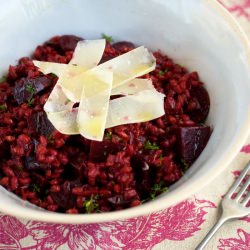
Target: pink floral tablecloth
{"x": 179, "y": 227}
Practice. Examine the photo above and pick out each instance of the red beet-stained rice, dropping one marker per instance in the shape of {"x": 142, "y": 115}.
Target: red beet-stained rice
{"x": 71, "y": 174}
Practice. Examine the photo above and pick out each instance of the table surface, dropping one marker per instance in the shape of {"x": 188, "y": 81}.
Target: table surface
{"x": 179, "y": 227}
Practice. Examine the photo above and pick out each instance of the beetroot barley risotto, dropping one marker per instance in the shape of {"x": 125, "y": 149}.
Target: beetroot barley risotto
{"x": 133, "y": 164}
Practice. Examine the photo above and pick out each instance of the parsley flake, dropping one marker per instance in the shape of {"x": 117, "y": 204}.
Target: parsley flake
{"x": 90, "y": 205}
{"x": 3, "y": 79}
{"x": 158, "y": 188}
{"x": 3, "y": 107}
{"x": 20, "y": 168}
{"x": 185, "y": 164}
{"x": 30, "y": 102}
{"x": 180, "y": 65}
{"x": 161, "y": 159}
{"x": 162, "y": 72}
{"x": 150, "y": 145}
{"x": 67, "y": 101}
{"x": 53, "y": 75}
{"x": 50, "y": 139}
{"x": 108, "y": 135}
{"x": 109, "y": 39}
{"x": 35, "y": 188}
{"x": 31, "y": 90}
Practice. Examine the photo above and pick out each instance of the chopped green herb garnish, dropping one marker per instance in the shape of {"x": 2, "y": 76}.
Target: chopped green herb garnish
{"x": 90, "y": 205}
{"x": 3, "y": 79}
{"x": 30, "y": 102}
{"x": 67, "y": 101}
{"x": 53, "y": 75}
{"x": 158, "y": 188}
{"x": 3, "y": 107}
{"x": 150, "y": 145}
{"x": 180, "y": 65}
{"x": 162, "y": 72}
{"x": 161, "y": 159}
{"x": 108, "y": 136}
{"x": 20, "y": 168}
{"x": 31, "y": 90}
{"x": 35, "y": 188}
{"x": 109, "y": 39}
{"x": 185, "y": 164}
{"x": 50, "y": 139}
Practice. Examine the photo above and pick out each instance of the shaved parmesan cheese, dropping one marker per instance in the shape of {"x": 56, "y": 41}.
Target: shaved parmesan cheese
{"x": 90, "y": 118}
{"x": 141, "y": 107}
{"x": 64, "y": 72}
{"x": 58, "y": 101}
{"x": 60, "y": 112}
{"x": 88, "y": 53}
{"x": 132, "y": 87}
{"x": 86, "y": 56}
{"x": 65, "y": 121}
{"x": 93, "y": 108}
{"x": 83, "y": 81}
{"x": 130, "y": 65}
{"x": 126, "y": 67}
{"x": 59, "y": 69}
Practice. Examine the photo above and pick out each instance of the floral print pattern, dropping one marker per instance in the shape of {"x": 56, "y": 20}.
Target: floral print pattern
{"x": 135, "y": 233}
{"x": 240, "y": 8}
{"x": 242, "y": 242}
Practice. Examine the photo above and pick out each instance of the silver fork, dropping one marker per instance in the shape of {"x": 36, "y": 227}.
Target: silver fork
{"x": 232, "y": 208}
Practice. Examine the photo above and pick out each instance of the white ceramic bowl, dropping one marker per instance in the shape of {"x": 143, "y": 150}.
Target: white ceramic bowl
{"x": 199, "y": 34}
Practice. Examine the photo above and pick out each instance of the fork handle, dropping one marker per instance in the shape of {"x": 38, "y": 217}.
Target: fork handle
{"x": 211, "y": 233}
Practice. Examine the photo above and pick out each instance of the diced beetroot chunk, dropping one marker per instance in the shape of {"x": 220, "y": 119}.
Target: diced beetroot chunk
{"x": 39, "y": 179}
{"x": 26, "y": 88}
{"x": 68, "y": 42}
{"x": 100, "y": 150}
{"x": 124, "y": 46}
{"x": 39, "y": 123}
{"x": 75, "y": 170}
{"x": 4, "y": 149}
{"x": 201, "y": 99}
{"x": 191, "y": 141}
{"x": 144, "y": 174}
{"x": 117, "y": 200}
{"x": 64, "y": 199}
{"x": 31, "y": 164}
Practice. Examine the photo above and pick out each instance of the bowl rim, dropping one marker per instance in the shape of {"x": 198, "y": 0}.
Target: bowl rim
{"x": 158, "y": 204}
